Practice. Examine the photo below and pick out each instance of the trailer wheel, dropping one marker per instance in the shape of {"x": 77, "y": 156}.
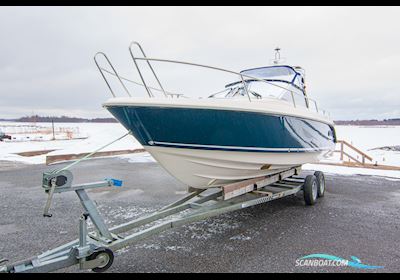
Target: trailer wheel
{"x": 321, "y": 183}
{"x": 108, "y": 256}
{"x": 310, "y": 190}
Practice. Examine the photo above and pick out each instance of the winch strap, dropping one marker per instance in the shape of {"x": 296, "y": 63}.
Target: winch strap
{"x": 92, "y": 153}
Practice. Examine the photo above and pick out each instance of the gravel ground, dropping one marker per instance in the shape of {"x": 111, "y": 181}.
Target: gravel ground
{"x": 359, "y": 216}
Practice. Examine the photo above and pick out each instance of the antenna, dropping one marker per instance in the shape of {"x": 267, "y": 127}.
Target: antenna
{"x": 278, "y": 58}
{"x": 277, "y": 55}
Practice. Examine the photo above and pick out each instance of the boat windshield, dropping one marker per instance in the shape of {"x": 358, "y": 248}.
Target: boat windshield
{"x": 282, "y": 74}
{"x": 285, "y": 73}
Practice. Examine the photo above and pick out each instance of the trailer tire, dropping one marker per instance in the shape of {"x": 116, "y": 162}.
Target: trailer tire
{"x": 310, "y": 190}
{"x": 108, "y": 254}
{"x": 321, "y": 183}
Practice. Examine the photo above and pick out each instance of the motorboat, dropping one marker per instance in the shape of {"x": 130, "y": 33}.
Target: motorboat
{"x": 259, "y": 124}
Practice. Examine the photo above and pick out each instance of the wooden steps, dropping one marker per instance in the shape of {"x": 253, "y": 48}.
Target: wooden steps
{"x": 355, "y": 162}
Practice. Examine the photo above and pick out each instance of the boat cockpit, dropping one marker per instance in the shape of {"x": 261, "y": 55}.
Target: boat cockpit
{"x": 279, "y": 82}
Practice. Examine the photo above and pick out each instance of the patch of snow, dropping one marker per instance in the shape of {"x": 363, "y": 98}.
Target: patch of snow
{"x": 138, "y": 157}
{"x": 344, "y": 170}
{"x": 241, "y": 237}
{"x": 392, "y": 179}
{"x": 122, "y": 250}
{"x": 181, "y": 192}
{"x": 129, "y": 212}
{"x": 159, "y": 247}
{"x": 204, "y": 230}
{"x": 148, "y": 246}
{"x": 176, "y": 248}
{"x": 17, "y": 158}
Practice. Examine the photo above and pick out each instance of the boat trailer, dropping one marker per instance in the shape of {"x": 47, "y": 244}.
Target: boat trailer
{"x": 94, "y": 250}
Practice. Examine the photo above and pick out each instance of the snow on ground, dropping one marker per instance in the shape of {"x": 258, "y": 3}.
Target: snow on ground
{"x": 344, "y": 170}
{"x": 99, "y": 135}
{"x": 139, "y": 157}
{"x": 365, "y": 138}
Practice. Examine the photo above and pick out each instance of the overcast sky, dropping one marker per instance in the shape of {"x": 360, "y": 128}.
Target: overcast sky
{"x": 351, "y": 55}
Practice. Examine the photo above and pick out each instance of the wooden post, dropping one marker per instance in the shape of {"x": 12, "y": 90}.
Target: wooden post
{"x": 341, "y": 150}
{"x": 52, "y": 124}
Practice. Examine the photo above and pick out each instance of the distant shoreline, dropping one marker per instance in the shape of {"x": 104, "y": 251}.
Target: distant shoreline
{"x": 63, "y": 119}
{"x": 369, "y": 122}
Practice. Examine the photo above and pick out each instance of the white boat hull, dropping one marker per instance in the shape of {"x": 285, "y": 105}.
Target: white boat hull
{"x": 207, "y": 143}
{"x": 209, "y": 168}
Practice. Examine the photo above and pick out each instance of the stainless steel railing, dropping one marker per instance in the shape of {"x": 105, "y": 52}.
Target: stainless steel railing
{"x": 149, "y": 64}
{"x": 169, "y": 94}
{"x": 115, "y": 72}
{"x": 137, "y": 83}
{"x": 241, "y": 75}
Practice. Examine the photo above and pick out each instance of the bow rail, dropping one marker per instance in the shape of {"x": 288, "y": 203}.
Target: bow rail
{"x": 244, "y": 78}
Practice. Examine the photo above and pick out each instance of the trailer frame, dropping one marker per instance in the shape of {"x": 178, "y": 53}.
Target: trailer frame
{"x": 94, "y": 250}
